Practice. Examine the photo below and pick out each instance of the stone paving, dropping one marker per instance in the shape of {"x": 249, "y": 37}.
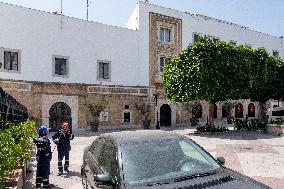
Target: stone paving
{"x": 254, "y": 154}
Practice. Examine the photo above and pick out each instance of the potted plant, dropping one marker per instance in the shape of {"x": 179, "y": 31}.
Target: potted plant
{"x": 144, "y": 110}
{"x": 95, "y": 110}
{"x": 230, "y": 119}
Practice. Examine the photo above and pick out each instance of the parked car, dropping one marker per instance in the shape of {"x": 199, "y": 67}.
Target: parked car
{"x": 156, "y": 159}
{"x": 277, "y": 113}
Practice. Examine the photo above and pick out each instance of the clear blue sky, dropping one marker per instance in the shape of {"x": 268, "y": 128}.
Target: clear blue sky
{"x": 266, "y": 16}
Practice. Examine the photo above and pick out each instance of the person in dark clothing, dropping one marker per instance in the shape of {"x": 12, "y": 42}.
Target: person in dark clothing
{"x": 43, "y": 157}
{"x": 62, "y": 139}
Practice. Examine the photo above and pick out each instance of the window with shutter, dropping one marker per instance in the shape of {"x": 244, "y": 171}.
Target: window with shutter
{"x": 165, "y": 35}
{"x": 10, "y": 60}
{"x": 103, "y": 70}
{"x": 163, "y": 61}
{"x": 196, "y": 37}
{"x": 275, "y": 53}
{"x": 60, "y": 67}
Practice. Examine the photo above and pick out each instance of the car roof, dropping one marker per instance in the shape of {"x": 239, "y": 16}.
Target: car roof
{"x": 141, "y": 135}
{"x": 278, "y": 108}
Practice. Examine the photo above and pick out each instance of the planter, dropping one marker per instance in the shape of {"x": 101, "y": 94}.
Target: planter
{"x": 229, "y": 120}
{"x": 146, "y": 124}
{"x": 274, "y": 129}
{"x": 14, "y": 180}
{"x": 94, "y": 126}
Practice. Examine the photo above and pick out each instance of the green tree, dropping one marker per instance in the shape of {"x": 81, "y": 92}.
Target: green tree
{"x": 266, "y": 78}
{"x": 218, "y": 71}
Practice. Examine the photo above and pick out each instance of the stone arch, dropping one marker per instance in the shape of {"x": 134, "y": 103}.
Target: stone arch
{"x": 71, "y": 101}
{"x": 58, "y": 113}
{"x": 160, "y": 103}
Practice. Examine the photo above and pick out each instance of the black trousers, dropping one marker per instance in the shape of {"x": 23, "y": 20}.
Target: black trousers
{"x": 61, "y": 154}
{"x": 42, "y": 172}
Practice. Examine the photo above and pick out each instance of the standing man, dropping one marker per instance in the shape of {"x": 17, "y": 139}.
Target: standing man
{"x": 43, "y": 157}
{"x": 62, "y": 139}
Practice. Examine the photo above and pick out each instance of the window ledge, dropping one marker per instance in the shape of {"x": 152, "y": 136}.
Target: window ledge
{"x": 63, "y": 76}
{"x": 166, "y": 43}
{"x": 10, "y": 71}
{"x": 106, "y": 80}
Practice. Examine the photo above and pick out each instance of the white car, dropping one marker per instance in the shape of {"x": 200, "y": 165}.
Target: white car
{"x": 277, "y": 113}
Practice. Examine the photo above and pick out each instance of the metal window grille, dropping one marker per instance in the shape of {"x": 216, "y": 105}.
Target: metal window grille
{"x": 60, "y": 66}
{"x": 10, "y": 60}
{"x": 103, "y": 70}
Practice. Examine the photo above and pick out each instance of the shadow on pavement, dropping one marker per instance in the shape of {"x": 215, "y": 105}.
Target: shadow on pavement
{"x": 88, "y": 132}
{"x": 238, "y": 135}
{"x": 71, "y": 174}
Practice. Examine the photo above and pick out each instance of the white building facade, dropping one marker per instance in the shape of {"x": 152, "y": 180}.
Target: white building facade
{"x": 58, "y": 66}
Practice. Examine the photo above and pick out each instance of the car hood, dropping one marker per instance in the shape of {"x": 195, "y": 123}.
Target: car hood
{"x": 226, "y": 179}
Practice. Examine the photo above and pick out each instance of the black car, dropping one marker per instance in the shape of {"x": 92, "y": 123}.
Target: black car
{"x": 156, "y": 159}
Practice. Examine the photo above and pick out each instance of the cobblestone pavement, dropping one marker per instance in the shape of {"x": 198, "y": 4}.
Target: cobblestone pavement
{"x": 254, "y": 154}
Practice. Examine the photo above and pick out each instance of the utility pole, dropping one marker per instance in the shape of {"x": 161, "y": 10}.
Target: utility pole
{"x": 87, "y": 10}
{"x": 61, "y": 7}
{"x": 61, "y": 21}
{"x": 156, "y": 95}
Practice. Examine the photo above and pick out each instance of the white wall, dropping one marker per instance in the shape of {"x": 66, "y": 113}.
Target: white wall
{"x": 38, "y": 35}
{"x": 133, "y": 20}
{"x": 200, "y": 24}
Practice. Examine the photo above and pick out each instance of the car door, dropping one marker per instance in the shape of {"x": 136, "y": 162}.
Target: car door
{"x": 92, "y": 166}
{"x": 109, "y": 163}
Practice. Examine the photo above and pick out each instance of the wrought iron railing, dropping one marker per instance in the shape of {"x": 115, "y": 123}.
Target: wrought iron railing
{"x": 11, "y": 110}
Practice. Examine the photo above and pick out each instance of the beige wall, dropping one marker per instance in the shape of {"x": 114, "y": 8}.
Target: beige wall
{"x": 39, "y": 97}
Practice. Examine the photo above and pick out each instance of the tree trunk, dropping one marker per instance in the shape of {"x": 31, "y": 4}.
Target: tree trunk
{"x": 211, "y": 110}
{"x": 262, "y": 113}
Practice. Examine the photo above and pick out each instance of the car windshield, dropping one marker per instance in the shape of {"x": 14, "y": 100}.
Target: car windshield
{"x": 157, "y": 160}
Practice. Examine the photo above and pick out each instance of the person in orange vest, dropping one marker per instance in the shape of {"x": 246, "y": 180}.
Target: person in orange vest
{"x": 62, "y": 139}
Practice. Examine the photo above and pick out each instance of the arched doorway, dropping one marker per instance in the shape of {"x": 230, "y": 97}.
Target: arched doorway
{"x": 226, "y": 110}
{"x": 239, "y": 111}
{"x": 165, "y": 115}
{"x": 251, "y": 110}
{"x": 59, "y": 113}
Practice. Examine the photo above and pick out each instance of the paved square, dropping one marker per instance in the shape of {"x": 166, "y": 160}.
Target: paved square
{"x": 254, "y": 154}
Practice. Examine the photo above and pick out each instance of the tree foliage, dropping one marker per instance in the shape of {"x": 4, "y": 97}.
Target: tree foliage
{"x": 218, "y": 71}
{"x": 15, "y": 144}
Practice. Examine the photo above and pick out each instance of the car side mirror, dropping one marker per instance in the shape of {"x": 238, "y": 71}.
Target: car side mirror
{"x": 221, "y": 160}
{"x": 104, "y": 178}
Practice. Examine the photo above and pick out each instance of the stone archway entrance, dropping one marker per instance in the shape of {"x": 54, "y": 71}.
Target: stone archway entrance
{"x": 59, "y": 113}
{"x": 165, "y": 115}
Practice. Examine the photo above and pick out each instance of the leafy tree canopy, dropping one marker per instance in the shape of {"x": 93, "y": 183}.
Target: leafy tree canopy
{"x": 218, "y": 71}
